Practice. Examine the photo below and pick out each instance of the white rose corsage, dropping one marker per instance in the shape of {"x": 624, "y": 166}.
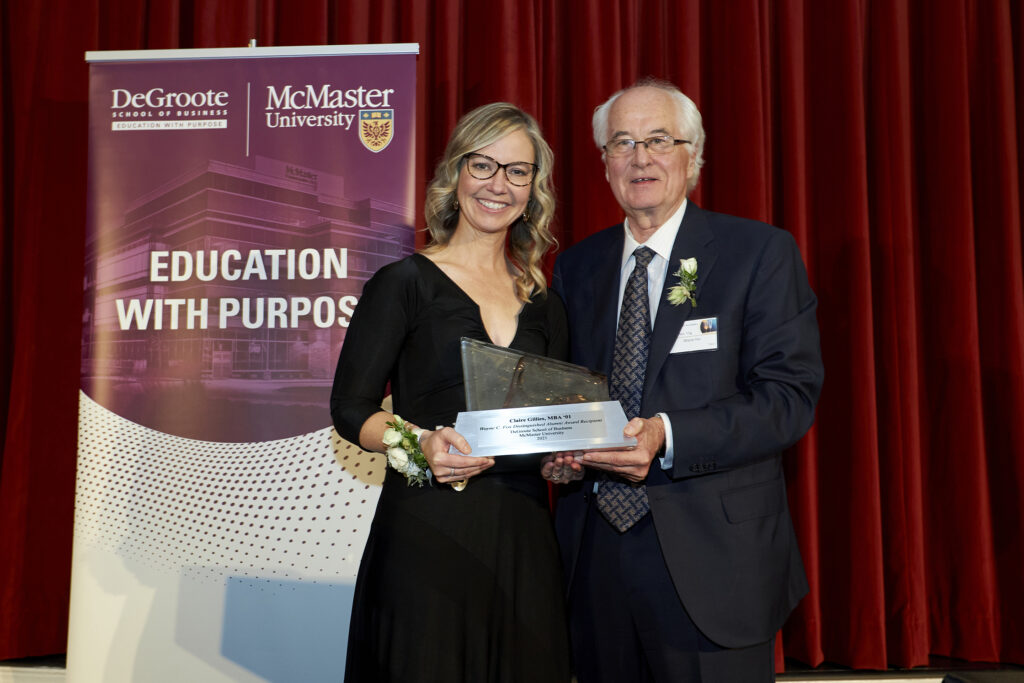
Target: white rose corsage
{"x": 404, "y": 453}
{"x": 687, "y": 287}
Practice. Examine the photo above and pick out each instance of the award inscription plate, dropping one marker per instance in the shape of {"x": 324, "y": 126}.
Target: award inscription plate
{"x": 521, "y": 403}
{"x": 540, "y": 429}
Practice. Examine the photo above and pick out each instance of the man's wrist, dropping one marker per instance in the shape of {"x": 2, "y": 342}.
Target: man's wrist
{"x": 660, "y": 450}
{"x": 666, "y": 453}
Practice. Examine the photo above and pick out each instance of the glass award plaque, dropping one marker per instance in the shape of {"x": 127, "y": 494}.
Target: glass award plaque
{"x": 519, "y": 403}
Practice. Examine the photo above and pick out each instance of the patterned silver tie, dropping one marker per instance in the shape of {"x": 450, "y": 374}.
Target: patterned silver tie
{"x": 624, "y": 504}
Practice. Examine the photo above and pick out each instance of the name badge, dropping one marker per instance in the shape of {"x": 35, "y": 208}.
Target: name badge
{"x": 697, "y": 335}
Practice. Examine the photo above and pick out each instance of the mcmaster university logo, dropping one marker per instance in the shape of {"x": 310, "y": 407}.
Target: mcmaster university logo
{"x": 376, "y": 128}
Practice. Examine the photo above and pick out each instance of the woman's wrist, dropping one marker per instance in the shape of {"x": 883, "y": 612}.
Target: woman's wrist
{"x": 404, "y": 451}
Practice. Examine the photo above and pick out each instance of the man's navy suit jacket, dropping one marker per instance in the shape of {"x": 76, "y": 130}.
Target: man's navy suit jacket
{"x": 721, "y": 512}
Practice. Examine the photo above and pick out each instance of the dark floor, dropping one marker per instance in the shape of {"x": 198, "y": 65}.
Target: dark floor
{"x": 49, "y": 661}
{"x": 952, "y": 671}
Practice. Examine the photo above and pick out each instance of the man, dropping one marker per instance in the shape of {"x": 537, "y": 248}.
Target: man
{"x": 680, "y": 554}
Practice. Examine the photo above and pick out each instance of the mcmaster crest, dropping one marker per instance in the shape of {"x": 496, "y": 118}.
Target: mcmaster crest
{"x": 376, "y": 128}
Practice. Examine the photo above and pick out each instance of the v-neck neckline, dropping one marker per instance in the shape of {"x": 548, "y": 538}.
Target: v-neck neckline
{"x": 476, "y": 305}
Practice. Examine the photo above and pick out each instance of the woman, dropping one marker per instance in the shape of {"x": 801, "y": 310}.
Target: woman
{"x": 461, "y": 578}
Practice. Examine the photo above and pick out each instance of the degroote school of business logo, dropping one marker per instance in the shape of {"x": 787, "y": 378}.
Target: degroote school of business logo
{"x": 376, "y": 128}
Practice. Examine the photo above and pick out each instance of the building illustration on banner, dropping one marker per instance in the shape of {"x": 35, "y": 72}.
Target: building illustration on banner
{"x": 231, "y": 287}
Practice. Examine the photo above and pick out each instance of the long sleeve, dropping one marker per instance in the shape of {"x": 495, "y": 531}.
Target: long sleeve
{"x": 377, "y": 331}
{"x": 778, "y": 372}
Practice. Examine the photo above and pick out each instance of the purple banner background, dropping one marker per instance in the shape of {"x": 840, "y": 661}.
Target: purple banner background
{"x": 255, "y": 166}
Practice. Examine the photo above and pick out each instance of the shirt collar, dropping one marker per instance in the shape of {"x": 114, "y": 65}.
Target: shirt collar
{"x": 661, "y": 241}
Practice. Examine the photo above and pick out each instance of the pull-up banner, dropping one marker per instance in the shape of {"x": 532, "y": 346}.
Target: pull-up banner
{"x": 238, "y": 200}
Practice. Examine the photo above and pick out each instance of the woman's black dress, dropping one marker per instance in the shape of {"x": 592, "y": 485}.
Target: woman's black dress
{"x": 453, "y": 586}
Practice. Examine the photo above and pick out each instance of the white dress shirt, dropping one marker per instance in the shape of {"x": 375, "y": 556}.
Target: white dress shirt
{"x": 661, "y": 244}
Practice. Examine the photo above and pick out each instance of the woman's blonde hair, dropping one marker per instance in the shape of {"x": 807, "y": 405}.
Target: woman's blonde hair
{"x": 530, "y": 236}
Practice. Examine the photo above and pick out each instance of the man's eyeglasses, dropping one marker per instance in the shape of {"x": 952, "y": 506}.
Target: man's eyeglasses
{"x": 656, "y": 144}
{"x": 483, "y": 167}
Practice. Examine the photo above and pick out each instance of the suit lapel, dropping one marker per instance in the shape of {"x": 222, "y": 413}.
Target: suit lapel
{"x": 605, "y": 279}
{"x": 694, "y": 240}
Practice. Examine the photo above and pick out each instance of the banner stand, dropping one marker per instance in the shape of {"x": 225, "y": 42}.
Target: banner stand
{"x": 239, "y": 199}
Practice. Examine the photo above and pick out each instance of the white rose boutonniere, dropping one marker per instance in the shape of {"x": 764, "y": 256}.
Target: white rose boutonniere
{"x": 404, "y": 453}
{"x": 687, "y": 287}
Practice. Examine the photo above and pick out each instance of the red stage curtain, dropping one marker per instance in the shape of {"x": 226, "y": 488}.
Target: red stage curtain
{"x": 885, "y": 134}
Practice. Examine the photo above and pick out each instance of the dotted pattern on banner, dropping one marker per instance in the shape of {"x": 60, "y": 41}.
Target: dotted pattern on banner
{"x": 293, "y": 509}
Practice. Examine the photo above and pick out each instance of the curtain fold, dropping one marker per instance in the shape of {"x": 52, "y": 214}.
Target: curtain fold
{"x": 886, "y": 135}
{"x": 889, "y": 144}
